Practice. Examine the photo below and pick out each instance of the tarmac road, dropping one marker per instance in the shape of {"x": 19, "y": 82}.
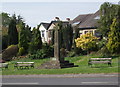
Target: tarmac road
{"x": 78, "y": 79}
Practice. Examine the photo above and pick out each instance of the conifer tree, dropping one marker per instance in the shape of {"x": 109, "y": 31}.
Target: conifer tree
{"x": 36, "y": 42}
{"x": 23, "y": 39}
{"x": 12, "y": 32}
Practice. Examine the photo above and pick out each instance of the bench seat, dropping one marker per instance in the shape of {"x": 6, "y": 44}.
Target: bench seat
{"x": 3, "y": 65}
{"x": 24, "y": 64}
{"x": 99, "y": 60}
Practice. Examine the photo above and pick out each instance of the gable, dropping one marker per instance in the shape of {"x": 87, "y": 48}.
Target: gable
{"x": 42, "y": 27}
{"x": 51, "y": 26}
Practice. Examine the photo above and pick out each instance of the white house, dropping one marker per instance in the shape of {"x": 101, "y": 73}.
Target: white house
{"x": 51, "y": 27}
{"x": 44, "y": 31}
{"x": 87, "y": 23}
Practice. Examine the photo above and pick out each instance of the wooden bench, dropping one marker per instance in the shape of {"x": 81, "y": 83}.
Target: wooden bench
{"x": 100, "y": 60}
{"x": 4, "y": 65}
{"x": 22, "y": 65}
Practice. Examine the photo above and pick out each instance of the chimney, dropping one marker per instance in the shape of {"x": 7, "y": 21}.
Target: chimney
{"x": 68, "y": 19}
{"x": 57, "y": 19}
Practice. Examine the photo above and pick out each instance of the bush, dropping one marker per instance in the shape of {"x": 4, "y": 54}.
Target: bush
{"x": 101, "y": 43}
{"x": 71, "y": 54}
{"x": 21, "y": 51}
{"x": 103, "y": 52}
{"x": 4, "y": 42}
{"x": 38, "y": 55}
{"x": 10, "y": 52}
{"x": 45, "y": 52}
{"x": 87, "y": 42}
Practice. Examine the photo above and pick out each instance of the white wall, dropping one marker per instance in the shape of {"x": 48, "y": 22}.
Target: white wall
{"x": 45, "y": 38}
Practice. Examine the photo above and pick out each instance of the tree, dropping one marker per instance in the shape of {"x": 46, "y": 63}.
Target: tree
{"x": 75, "y": 36}
{"x": 5, "y": 22}
{"x": 12, "y": 32}
{"x": 24, "y": 38}
{"x": 5, "y": 19}
{"x": 107, "y": 13}
{"x": 87, "y": 42}
{"x": 113, "y": 44}
{"x": 67, "y": 36}
{"x": 36, "y": 42}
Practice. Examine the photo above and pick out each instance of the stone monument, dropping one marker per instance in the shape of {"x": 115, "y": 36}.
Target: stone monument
{"x": 57, "y": 62}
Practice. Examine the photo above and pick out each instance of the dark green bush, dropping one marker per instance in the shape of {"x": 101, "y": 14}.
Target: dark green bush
{"x": 45, "y": 52}
{"x": 101, "y": 43}
{"x": 4, "y": 42}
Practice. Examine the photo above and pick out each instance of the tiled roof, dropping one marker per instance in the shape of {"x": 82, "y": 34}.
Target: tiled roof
{"x": 80, "y": 18}
{"x": 91, "y": 21}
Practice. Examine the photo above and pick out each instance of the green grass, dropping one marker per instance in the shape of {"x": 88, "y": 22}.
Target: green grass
{"x": 82, "y": 61}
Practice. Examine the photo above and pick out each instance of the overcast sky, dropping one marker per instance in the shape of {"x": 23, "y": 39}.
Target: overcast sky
{"x": 36, "y": 12}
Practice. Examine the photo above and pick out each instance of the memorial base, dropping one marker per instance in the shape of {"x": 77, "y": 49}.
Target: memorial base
{"x": 55, "y": 64}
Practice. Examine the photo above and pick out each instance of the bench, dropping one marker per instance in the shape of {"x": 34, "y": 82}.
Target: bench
{"x": 4, "y": 65}
{"x": 22, "y": 65}
{"x": 100, "y": 60}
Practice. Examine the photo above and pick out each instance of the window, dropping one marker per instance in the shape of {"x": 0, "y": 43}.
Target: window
{"x": 43, "y": 33}
{"x": 97, "y": 17}
{"x": 86, "y": 32}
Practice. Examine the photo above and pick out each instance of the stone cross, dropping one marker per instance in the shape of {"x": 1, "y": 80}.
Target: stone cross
{"x": 56, "y": 45}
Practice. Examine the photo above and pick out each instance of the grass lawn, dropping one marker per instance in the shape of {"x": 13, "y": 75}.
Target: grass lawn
{"x": 82, "y": 61}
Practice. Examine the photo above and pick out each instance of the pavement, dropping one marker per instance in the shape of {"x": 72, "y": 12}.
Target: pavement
{"x": 60, "y": 75}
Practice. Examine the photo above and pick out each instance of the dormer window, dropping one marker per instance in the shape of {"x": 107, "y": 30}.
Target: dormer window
{"x": 97, "y": 17}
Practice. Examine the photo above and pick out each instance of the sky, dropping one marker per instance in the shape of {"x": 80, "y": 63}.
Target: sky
{"x": 35, "y": 12}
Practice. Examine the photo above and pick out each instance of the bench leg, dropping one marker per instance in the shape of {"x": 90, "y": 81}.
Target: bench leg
{"x": 89, "y": 64}
{"x": 109, "y": 64}
{"x": 32, "y": 66}
{"x": 27, "y": 67}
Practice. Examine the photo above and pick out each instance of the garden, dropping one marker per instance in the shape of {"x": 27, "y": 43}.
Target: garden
{"x": 23, "y": 44}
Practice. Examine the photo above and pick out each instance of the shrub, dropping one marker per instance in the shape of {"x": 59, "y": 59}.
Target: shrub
{"x": 71, "y": 54}
{"x": 101, "y": 43}
{"x": 38, "y": 55}
{"x": 45, "y": 52}
{"x": 4, "y": 42}
{"x": 21, "y": 51}
{"x": 10, "y": 52}
{"x": 87, "y": 42}
{"x": 103, "y": 52}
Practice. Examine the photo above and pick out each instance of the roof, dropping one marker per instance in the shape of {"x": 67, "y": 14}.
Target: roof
{"x": 45, "y": 25}
{"x": 54, "y": 22}
{"x": 91, "y": 21}
{"x": 80, "y": 18}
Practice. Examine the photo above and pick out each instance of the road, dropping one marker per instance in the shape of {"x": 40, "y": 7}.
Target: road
{"x": 61, "y": 80}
